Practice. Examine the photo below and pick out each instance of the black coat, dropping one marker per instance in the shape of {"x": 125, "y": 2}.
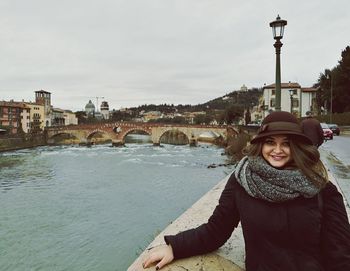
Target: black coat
{"x": 278, "y": 236}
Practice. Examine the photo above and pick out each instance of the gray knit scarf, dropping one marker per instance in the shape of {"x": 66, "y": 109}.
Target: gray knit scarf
{"x": 263, "y": 181}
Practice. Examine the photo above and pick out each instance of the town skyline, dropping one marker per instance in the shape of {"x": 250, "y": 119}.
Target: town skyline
{"x": 183, "y": 52}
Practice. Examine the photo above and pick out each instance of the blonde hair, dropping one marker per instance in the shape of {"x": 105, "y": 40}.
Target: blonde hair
{"x": 305, "y": 157}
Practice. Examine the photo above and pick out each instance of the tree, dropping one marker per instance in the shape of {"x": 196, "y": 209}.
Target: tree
{"x": 122, "y": 116}
{"x": 337, "y": 78}
{"x": 247, "y": 117}
{"x": 203, "y": 119}
{"x": 342, "y": 91}
{"x": 231, "y": 114}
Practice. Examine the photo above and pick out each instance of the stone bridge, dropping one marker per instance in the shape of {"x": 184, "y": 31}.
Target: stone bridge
{"x": 116, "y": 132}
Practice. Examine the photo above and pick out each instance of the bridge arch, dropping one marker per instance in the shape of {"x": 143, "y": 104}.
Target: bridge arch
{"x": 174, "y": 136}
{"x": 210, "y": 136}
{"x": 136, "y": 130}
{"x": 99, "y": 136}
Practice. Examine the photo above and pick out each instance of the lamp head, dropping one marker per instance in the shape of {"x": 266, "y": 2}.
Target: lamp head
{"x": 278, "y": 28}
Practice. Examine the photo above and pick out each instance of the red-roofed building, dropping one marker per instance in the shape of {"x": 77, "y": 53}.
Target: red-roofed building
{"x": 294, "y": 98}
{"x": 14, "y": 117}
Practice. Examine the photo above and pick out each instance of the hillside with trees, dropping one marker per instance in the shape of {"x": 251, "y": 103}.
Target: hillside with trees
{"x": 225, "y": 109}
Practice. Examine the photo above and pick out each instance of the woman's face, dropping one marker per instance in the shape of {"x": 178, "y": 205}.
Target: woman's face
{"x": 276, "y": 151}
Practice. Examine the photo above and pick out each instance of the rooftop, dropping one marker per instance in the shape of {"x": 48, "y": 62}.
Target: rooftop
{"x": 284, "y": 85}
{"x": 42, "y": 91}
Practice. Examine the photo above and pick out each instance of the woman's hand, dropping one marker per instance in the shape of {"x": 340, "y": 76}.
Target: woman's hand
{"x": 164, "y": 254}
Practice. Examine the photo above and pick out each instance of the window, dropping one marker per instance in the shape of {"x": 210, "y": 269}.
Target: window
{"x": 295, "y": 103}
{"x": 273, "y": 92}
{"x": 272, "y": 102}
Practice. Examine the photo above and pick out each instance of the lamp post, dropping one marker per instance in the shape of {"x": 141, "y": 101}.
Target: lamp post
{"x": 330, "y": 76}
{"x": 277, "y": 31}
{"x": 291, "y": 100}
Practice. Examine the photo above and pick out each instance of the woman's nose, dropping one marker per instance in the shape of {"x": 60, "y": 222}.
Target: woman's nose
{"x": 278, "y": 148}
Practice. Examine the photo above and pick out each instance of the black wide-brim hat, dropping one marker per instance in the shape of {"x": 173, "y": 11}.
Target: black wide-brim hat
{"x": 281, "y": 123}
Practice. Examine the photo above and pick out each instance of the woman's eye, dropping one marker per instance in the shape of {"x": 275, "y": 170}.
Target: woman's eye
{"x": 285, "y": 144}
{"x": 269, "y": 142}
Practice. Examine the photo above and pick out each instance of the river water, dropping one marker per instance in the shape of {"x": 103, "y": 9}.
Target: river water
{"x": 79, "y": 208}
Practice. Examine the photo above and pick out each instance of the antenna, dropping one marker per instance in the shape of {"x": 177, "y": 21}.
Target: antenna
{"x": 97, "y": 102}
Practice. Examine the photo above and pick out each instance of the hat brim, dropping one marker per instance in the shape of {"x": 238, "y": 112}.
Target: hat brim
{"x": 297, "y": 135}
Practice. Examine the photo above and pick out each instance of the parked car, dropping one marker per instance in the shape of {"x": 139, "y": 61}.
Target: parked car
{"x": 327, "y": 133}
{"x": 335, "y": 129}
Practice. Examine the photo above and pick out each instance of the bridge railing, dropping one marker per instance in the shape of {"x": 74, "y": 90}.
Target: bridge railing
{"x": 133, "y": 124}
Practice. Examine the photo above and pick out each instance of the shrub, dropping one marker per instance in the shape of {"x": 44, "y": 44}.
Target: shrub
{"x": 341, "y": 119}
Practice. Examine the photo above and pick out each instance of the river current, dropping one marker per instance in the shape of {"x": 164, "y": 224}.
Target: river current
{"x": 78, "y": 208}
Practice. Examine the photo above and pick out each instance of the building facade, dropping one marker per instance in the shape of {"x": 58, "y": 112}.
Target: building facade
{"x": 14, "y": 117}
{"x": 37, "y": 116}
{"x": 25, "y": 118}
{"x": 70, "y": 118}
{"x": 151, "y": 115}
{"x": 57, "y": 117}
{"x": 43, "y": 97}
{"x": 294, "y": 99}
{"x": 105, "y": 110}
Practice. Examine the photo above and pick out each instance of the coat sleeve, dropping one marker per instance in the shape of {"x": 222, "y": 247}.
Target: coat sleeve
{"x": 212, "y": 234}
{"x": 335, "y": 231}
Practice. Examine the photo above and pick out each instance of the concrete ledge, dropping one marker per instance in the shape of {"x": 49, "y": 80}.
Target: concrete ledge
{"x": 205, "y": 262}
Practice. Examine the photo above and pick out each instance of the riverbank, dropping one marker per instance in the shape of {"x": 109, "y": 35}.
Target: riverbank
{"x": 230, "y": 257}
{"x": 22, "y": 142}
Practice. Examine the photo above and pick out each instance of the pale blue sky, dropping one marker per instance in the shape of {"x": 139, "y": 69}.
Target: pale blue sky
{"x": 134, "y": 52}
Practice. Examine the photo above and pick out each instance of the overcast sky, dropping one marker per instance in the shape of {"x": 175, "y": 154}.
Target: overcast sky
{"x": 134, "y": 52}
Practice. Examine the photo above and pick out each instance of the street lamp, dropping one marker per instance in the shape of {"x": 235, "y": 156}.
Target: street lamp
{"x": 330, "y": 76}
{"x": 291, "y": 100}
{"x": 277, "y": 31}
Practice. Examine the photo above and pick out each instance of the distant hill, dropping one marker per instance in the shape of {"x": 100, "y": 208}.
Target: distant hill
{"x": 243, "y": 99}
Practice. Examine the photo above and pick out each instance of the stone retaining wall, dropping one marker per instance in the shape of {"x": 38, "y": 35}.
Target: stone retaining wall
{"x": 344, "y": 130}
{"x": 16, "y": 143}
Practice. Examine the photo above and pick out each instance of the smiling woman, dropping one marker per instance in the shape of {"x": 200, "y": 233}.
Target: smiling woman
{"x": 292, "y": 217}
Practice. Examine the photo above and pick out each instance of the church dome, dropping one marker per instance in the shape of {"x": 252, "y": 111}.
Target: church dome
{"x": 89, "y": 105}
